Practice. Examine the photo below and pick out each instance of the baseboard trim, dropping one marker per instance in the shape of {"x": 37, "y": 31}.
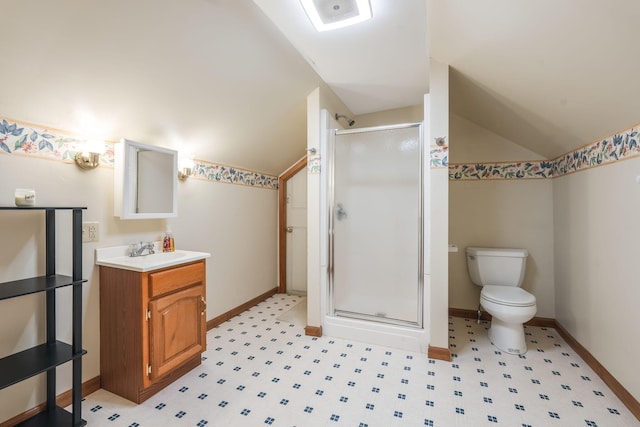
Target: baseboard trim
{"x": 239, "y": 309}
{"x": 62, "y": 400}
{"x": 313, "y": 331}
{"x": 544, "y": 322}
{"x": 618, "y": 389}
{"x": 468, "y": 314}
{"x": 439, "y": 353}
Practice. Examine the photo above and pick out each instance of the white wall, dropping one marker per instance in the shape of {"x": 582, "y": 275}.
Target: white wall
{"x": 498, "y": 213}
{"x": 436, "y": 280}
{"x": 475, "y": 144}
{"x": 319, "y": 99}
{"x": 505, "y": 213}
{"x": 413, "y": 114}
{"x": 236, "y": 224}
{"x": 596, "y": 264}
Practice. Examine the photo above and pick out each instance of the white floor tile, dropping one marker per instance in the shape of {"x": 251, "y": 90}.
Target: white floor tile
{"x": 261, "y": 371}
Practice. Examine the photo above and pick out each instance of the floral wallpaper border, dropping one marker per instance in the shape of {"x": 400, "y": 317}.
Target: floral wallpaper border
{"x": 439, "y": 156}
{"x": 516, "y": 170}
{"x": 32, "y": 140}
{"x": 313, "y": 164}
{"x": 622, "y": 145}
{"x": 619, "y": 146}
{"x": 232, "y": 175}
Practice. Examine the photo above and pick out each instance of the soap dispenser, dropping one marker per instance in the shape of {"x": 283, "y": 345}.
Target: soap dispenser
{"x": 167, "y": 242}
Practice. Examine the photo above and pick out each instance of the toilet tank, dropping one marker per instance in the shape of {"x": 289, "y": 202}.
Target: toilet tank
{"x": 496, "y": 266}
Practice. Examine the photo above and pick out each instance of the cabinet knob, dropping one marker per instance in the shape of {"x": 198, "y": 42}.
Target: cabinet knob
{"x": 204, "y": 306}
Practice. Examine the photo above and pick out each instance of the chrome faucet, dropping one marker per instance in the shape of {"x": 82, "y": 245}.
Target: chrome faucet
{"x": 137, "y": 250}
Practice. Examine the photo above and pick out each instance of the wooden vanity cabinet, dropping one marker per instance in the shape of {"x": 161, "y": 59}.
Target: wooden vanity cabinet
{"x": 152, "y": 327}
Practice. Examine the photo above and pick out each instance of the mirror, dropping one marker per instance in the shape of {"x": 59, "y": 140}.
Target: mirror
{"x": 145, "y": 181}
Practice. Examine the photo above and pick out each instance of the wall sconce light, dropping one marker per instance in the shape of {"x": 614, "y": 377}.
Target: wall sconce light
{"x": 89, "y": 156}
{"x": 185, "y": 167}
{"x": 184, "y": 173}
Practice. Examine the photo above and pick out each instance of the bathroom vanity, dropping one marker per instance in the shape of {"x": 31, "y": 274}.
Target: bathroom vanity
{"x": 152, "y": 320}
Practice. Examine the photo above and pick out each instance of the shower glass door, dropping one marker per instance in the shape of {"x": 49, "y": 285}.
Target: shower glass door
{"x": 375, "y": 224}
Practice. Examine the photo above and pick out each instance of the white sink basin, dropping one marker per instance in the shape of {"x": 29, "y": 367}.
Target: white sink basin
{"x": 144, "y": 263}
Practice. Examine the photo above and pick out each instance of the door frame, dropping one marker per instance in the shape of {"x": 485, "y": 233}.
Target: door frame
{"x": 282, "y": 221}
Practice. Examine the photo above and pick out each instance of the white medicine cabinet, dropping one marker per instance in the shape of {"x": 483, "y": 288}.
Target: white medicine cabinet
{"x": 145, "y": 181}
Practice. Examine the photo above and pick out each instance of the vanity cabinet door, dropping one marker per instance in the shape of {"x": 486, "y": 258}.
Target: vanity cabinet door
{"x": 177, "y": 329}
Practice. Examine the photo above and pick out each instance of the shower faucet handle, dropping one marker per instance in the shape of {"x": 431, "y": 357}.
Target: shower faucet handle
{"x": 341, "y": 212}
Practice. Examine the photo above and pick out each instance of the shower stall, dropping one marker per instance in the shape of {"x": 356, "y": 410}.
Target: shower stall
{"x": 374, "y": 202}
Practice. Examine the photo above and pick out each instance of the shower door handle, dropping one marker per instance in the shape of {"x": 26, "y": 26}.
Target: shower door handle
{"x": 341, "y": 212}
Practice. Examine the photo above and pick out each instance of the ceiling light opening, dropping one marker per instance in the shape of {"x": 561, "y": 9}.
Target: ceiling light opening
{"x": 328, "y": 15}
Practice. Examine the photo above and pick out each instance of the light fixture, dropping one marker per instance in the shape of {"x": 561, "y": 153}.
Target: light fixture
{"x": 185, "y": 166}
{"x": 328, "y": 15}
{"x": 89, "y": 156}
{"x": 184, "y": 173}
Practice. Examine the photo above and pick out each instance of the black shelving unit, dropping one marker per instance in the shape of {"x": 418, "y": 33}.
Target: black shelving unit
{"x": 49, "y": 355}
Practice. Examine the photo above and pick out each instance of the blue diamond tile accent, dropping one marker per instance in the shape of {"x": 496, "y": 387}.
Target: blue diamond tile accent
{"x": 282, "y": 371}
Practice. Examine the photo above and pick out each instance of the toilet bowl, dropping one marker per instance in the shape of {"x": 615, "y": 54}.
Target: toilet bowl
{"x": 500, "y": 272}
{"x": 508, "y": 310}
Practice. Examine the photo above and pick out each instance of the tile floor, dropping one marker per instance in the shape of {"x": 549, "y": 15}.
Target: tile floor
{"x": 260, "y": 371}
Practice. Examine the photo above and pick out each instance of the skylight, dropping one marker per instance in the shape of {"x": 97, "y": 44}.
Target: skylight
{"x": 328, "y": 15}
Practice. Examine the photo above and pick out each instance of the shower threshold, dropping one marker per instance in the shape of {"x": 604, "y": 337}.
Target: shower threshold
{"x": 379, "y": 318}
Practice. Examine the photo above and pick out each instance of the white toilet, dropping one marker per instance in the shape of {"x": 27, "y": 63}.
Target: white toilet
{"x": 500, "y": 273}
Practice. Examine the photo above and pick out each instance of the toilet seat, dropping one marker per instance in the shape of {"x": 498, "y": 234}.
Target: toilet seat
{"x": 507, "y": 295}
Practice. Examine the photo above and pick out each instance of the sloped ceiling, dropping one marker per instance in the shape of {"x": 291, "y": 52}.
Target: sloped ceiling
{"x": 548, "y": 75}
{"x": 377, "y": 65}
{"x": 212, "y": 77}
{"x": 219, "y": 79}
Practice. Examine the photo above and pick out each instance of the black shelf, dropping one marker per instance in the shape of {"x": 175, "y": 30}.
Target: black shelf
{"x": 39, "y": 208}
{"x": 46, "y": 357}
{"x": 32, "y": 285}
{"x": 33, "y": 361}
{"x": 55, "y": 418}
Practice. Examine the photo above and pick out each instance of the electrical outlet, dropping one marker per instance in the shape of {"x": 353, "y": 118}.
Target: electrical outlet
{"x": 90, "y": 231}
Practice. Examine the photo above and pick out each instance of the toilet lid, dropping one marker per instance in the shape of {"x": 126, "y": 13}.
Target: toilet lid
{"x": 508, "y": 295}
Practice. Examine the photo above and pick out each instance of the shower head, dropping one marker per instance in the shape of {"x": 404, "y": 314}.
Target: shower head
{"x": 351, "y": 122}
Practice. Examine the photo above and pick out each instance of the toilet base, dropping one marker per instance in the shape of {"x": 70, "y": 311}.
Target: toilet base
{"x": 508, "y": 337}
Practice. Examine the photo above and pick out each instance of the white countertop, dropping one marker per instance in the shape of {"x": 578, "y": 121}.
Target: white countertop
{"x": 118, "y": 257}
